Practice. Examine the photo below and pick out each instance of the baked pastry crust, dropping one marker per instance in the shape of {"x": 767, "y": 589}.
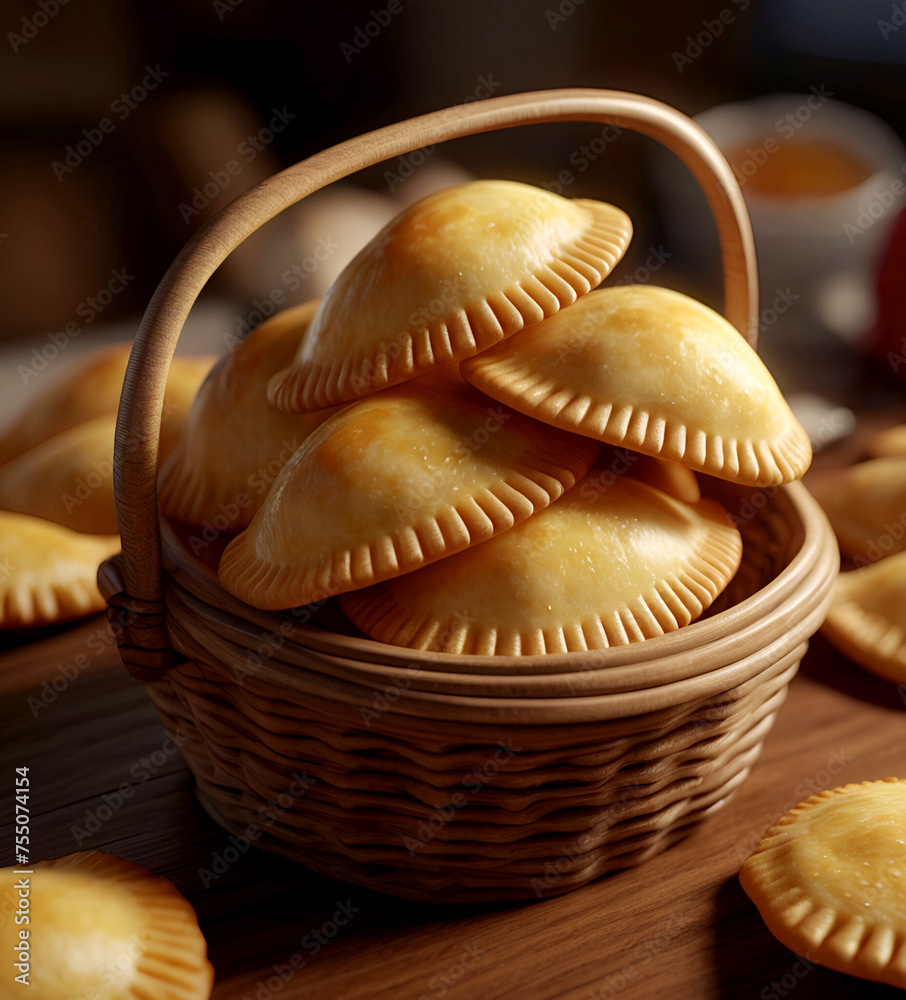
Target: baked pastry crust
{"x": 234, "y": 442}
{"x": 50, "y": 572}
{"x": 650, "y": 369}
{"x": 828, "y": 880}
{"x": 609, "y": 563}
{"x": 867, "y": 619}
{"x": 448, "y": 277}
{"x": 393, "y": 482}
{"x": 108, "y": 929}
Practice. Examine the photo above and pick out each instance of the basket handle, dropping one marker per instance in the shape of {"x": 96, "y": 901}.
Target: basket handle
{"x": 139, "y": 605}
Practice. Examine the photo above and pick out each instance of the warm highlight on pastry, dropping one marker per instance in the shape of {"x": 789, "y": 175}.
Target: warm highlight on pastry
{"x": 50, "y": 572}
{"x": 67, "y": 479}
{"x": 234, "y": 442}
{"x": 93, "y": 390}
{"x": 828, "y": 880}
{"x": 393, "y": 482}
{"x": 653, "y": 370}
{"x": 867, "y": 620}
{"x": 866, "y": 506}
{"x": 448, "y": 277}
{"x": 107, "y": 929}
{"x": 607, "y": 564}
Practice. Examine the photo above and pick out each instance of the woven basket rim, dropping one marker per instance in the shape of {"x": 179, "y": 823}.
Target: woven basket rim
{"x": 806, "y": 569}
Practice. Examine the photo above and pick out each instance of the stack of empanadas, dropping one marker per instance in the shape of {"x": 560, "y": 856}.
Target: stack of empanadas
{"x": 57, "y": 508}
{"x": 866, "y": 505}
{"x": 509, "y": 460}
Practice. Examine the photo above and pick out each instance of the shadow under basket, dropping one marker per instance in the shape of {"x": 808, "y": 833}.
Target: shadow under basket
{"x": 435, "y": 776}
{"x": 450, "y": 778}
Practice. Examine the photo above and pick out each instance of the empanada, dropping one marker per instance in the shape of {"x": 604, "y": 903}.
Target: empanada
{"x": 601, "y": 566}
{"x": 48, "y": 573}
{"x": 828, "y": 880}
{"x": 866, "y": 506}
{"x": 867, "y": 620}
{"x": 102, "y": 928}
{"x": 650, "y": 369}
{"x": 393, "y": 482}
{"x": 234, "y": 442}
{"x": 449, "y": 276}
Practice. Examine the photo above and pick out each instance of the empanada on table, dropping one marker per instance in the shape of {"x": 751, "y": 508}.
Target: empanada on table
{"x": 867, "y": 619}
{"x": 451, "y": 275}
{"x": 48, "y": 573}
{"x": 104, "y": 928}
{"x": 828, "y": 880}
{"x": 866, "y": 506}
{"x": 653, "y": 370}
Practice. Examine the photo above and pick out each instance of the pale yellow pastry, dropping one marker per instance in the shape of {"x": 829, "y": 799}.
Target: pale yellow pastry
{"x": 234, "y": 442}
{"x": 597, "y": 568}
{"x": 867, "y": 620}
{"x": 829, "y": 879}
{"x": 93, "y": 390}
{"x": 102, "y": 928}
{"x": 67, "y": 479}
{"x": 866, "y": 506}
{"x": 449, "y": 276}
{"x": 652, "y": 370}
{"x": 393, "y": 482}
{"x": 48, "y": 573}
{"x": 891, "y": 441}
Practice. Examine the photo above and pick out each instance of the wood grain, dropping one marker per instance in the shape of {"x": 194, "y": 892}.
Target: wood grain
{"x": 679, "y": 926}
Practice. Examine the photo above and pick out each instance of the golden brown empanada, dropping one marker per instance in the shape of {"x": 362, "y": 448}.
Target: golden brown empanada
{"x": 599, "y": 567}
{"x": 103, "y": 928}
{"x": 828, "y": 880}
{"x": 866, "y": 506}
{"x": 395, "y": 481}
{"x": 48, "y": 573}
{"x": 449, "y": 276}
{"x": 93, "y": 390}
{"x": 67, "y": 479}
{"x": 867, "y": 620}
{"x": 234, "y": 441}
{"x": 652, "y": 370}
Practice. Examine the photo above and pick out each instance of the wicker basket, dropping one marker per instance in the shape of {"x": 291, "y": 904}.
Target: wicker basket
{"x": 428, "y": 775}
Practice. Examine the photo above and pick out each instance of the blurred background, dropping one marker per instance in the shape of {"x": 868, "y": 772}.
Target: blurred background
{"x": 125, "y": 126}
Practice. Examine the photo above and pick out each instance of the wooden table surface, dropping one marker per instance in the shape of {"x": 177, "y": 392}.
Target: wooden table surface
{"x": 679, "y": 926}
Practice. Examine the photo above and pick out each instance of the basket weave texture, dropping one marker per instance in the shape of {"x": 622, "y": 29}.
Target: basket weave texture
{"x": 460, "y": 778}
